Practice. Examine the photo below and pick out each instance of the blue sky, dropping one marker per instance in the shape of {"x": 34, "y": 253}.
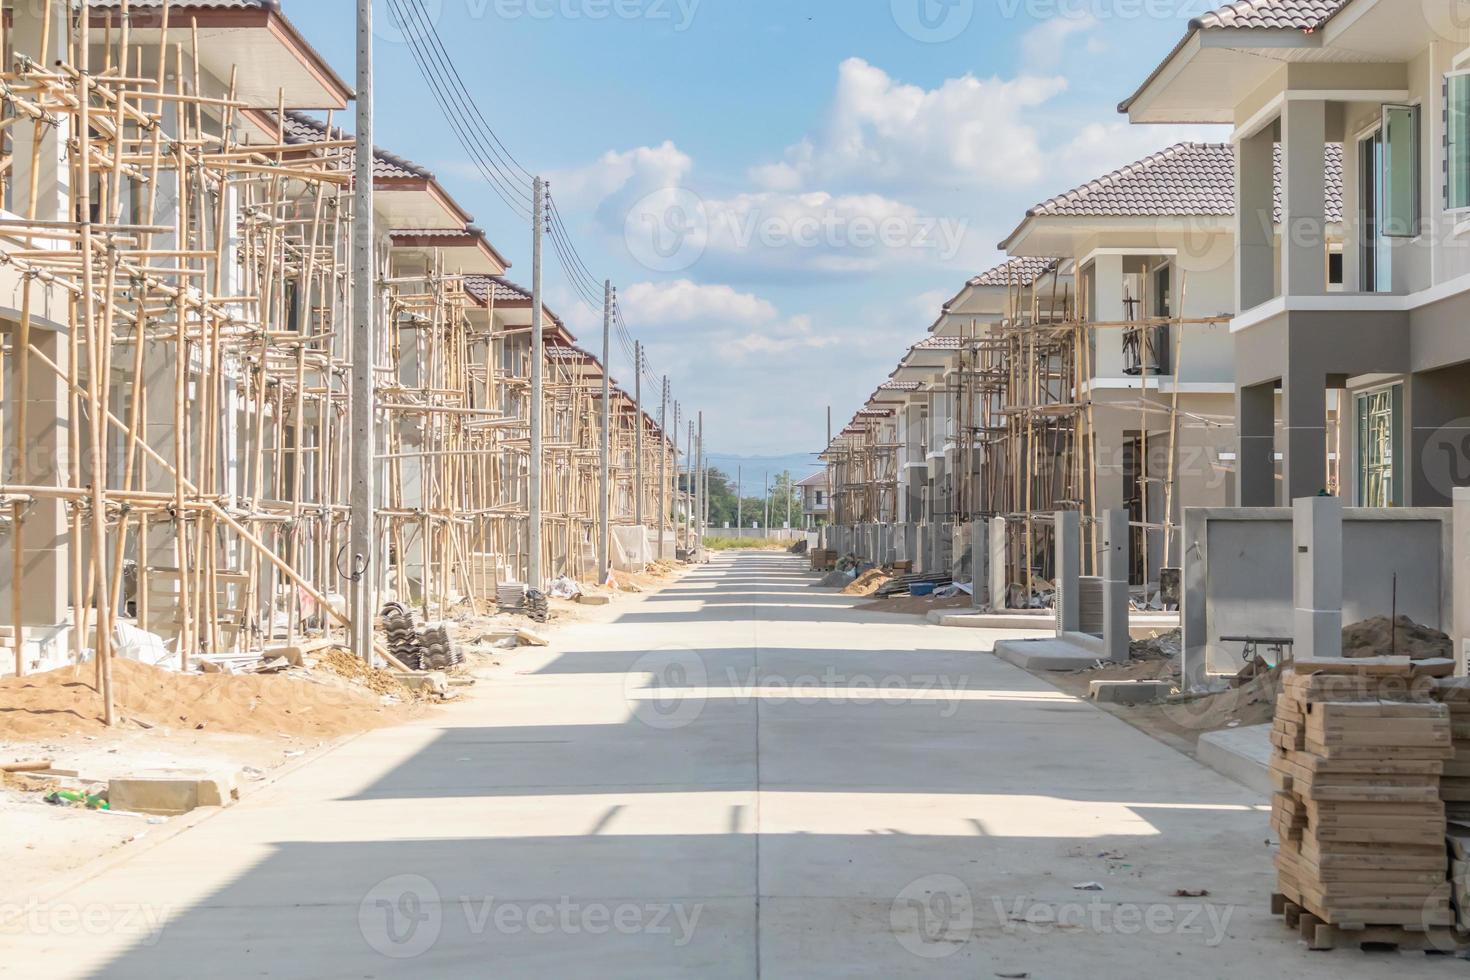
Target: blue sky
{"x": 784, "y": 191}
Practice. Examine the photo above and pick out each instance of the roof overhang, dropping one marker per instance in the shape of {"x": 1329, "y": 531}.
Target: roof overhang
{"x": 280, "y": 61}
{"x": 1213, "y": 71}
{"x": 1067, "y": 237}
{"x": 404, "y": 203}
{"x": 468, "y": 252}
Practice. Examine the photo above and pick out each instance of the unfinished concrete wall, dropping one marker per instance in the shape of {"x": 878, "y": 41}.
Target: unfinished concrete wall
{"x": 1238, "y": 575}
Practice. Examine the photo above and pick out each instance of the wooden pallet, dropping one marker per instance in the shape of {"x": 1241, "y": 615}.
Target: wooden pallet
{"x": 1323, "y": 936}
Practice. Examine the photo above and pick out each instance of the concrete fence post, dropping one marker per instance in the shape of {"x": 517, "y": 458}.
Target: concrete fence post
{"x": 1067, "y": 541}
{"x": 1316, "y": 530}
{"x": 998, "y": 585}
{"x": 979, "y": 563}
{"x": 1114, "y": 542}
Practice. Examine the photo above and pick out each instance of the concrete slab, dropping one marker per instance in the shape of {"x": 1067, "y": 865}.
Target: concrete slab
{"x": 1129, "y": 692}
{"x": 729, "y": 778}
{"x": 1045, "y": 654}
{"x": 1141, "y": 626}
{"x": 1243, "y": 754}
{"x": 432, "y": 681}
{"x": 170, "y": 792}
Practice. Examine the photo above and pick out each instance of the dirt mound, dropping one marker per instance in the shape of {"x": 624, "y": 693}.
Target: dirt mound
{"x": 66, "y": 700}
{"x": 1373, "y": 638}
{"x": 867, "y": 583}
{"x": 375, "y": 679}
{"x": 915, "y": 605}
{"x": 833, "y": 580}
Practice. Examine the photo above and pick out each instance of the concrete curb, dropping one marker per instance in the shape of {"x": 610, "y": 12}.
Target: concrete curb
{"x": 1243, "y": 754}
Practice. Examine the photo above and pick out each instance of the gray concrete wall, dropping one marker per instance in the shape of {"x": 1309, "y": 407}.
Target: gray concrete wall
{"x": 1238, "y": 575}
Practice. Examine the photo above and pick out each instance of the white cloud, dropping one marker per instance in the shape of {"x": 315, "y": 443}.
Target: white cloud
{"x": 719, "y": 318}
{"x": 968, "y": 131}
{"x": 1043, "y": 46}
{"x": 684, "y": 301}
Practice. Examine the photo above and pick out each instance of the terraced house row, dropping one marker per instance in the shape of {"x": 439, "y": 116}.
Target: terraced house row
{"x": 1234, "y": 324}
{"x": 175, "y": 302}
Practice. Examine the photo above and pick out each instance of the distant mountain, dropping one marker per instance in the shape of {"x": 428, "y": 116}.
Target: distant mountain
{"x": 753, "y": 469}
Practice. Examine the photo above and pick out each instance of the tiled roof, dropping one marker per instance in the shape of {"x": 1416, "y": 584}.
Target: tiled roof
{"x": 874, "y": 413}
{"x": 302, "y": 128}
{"x": 1015, "y": 272}
{"x": 187, "y": 4}
{"x": 899, "y": 386}
{"x": 1187, "y": 179}
{"x": 937, "y": 343}
{"x": 815, "y": 480}
{"x": 481, "y": 287}
{"x": 1301, "y": 15}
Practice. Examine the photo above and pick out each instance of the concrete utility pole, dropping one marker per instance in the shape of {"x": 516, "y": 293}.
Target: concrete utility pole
{"x": 605, "y": 498}
{"x": 703, "y": 486}
{"x": 538, "y": 343}
{"x": 638, "y": 433}
{"x": 789, "y": 495}
{"x": 364, "y": 301}
{"x": 768, "y": 505}
{"x": 663, "y": 466}
{"x": 689, "y": 489}
{"x": 739, "y": 498}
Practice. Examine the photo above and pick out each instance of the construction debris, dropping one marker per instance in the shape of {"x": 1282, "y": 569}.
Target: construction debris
{"x": 1405, "y": 638}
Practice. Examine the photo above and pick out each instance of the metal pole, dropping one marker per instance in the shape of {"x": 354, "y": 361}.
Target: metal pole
{"x": 689, "y": 492}
{"x": 768, "y": 505}
{"x": 789, "y": 495}
{"x": 538, "y": 342}
{"x": 364, "y": 301}
{"x": 663, "y": 463}
{"x": 605, "y": 497}
{"x": 638, "y": 433}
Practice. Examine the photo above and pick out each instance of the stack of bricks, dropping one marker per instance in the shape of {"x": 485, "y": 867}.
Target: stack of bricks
{"x": 1357, "y": 765}
{"x": 1454, "y": 789}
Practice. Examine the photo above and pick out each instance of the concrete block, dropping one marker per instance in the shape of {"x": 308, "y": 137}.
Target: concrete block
{"x": 1243, "y": 754}
{"x": 1068, "y": 544}
{"x": 171, "y": 792}
{"x": 1129, "y": 692}
{"x": 588, "y": 599}
{"x": 294, "y": 656}
{"x": 1045, "y": 654}
{"x": 432, "y": 681}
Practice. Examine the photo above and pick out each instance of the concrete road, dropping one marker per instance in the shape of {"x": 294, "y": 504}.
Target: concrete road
{"x": 736, "y": 777}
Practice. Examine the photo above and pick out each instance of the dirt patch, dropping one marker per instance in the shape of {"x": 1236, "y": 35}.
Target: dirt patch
{"x": 915, "y": 606}
{"x": 350, "y": 668}
{"x": 867, "y": 583}
{"x": 1406, "y": 638}
{"x": 66, "y": 701}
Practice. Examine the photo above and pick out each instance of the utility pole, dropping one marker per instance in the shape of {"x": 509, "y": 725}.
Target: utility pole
{"x": 768, "y": 505}
{"x": 605, "y": 498}
{"x": 663, "y": 463}
{"x": 789, "y": 495}
{"x": 739, "y": 499}
{"x": 703, "y": 487}
{"x": 638, "y": 434}
{"x": 689, "y": 491}
{"x": 538, "y": 342}
{"x": 364, "y": 302}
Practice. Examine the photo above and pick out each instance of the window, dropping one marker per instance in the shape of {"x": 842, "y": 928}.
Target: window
{"x": 1373, "y": 251}
{"x": 1379, "y": 481}
{"x": 1457, "y": 140}
{"x": 1400, "y": 215}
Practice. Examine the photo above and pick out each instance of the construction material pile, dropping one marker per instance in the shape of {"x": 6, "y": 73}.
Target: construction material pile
{"x": 1359, "y": 754}
{"x": 1454, "y": 790}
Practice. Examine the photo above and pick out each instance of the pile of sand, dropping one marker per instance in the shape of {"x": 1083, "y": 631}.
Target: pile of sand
{"x": 1373, "y": 638}
{"x": 375, "y": 679}
{"x": 916, "y": 605}
{"x": 868, "y": 583}
{"x": 66, "y": 700}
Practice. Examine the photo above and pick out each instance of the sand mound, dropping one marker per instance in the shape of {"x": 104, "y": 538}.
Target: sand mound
{"x": 375, "y": 679}
{"x": 1373, "y": 638}
{"x": 66, "y": 700}
{"x": 867, "y": 583}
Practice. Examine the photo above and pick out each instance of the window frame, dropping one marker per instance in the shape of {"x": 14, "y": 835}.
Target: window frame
{"x": 1416, "y": 223}
{"x": 1462, "y": 209}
